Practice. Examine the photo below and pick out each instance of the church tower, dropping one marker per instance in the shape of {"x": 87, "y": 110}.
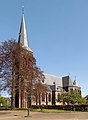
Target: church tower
{"x": 20, "y": 99}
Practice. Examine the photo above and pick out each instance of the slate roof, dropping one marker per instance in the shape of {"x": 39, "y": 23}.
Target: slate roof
{"x": 51, "y": 79}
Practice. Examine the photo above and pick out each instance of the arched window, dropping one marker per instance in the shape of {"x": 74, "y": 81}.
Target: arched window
{"x": 43, "y": 97}
{"x": 58, "y": 96}
{"x": 49, "y": 97}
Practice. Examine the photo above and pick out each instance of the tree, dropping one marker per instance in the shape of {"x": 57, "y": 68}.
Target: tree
{"x": 40, "y": 91}
{"x": 6, "y": 63}
{"x": 18, "y": 70}
{"x": 3, "y": 102}
{"x": 72, "y": 98}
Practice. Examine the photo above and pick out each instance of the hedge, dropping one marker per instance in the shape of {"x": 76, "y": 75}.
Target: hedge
{"x": 63, "y": 107}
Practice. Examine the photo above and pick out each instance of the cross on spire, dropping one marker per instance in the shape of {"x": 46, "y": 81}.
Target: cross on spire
{"x": 23, "y": 10}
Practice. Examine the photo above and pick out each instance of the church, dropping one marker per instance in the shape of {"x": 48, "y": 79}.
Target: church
{"x": 56, "y": 85}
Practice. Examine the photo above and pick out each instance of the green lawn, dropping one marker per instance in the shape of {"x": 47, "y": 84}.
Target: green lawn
{"x": 50, "y": 111}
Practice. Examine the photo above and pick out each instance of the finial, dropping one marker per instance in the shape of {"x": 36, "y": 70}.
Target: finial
{"x": 22, "y": 9}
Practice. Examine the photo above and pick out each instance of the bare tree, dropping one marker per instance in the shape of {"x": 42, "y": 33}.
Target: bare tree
{"x": 40, "y": 92}
{"x": 18, "y": 71}
{"x": 6, "y": 63}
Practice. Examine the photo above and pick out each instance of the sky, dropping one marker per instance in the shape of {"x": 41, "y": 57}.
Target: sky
{"x": 57, "y": 33}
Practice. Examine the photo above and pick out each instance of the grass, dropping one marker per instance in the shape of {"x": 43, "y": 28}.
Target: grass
{"x": 50, "y": 111}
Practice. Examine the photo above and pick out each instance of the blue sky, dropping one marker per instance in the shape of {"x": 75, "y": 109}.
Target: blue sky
{"x": 57, "y": 32}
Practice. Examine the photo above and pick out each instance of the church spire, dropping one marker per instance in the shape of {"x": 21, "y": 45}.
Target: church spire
{"x": 23, "y": 39}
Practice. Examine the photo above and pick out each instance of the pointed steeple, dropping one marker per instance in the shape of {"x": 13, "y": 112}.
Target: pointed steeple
{"x": 23, "y": 39}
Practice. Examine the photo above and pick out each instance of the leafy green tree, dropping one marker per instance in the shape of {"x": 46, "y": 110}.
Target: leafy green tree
{"x": 72, "y": 98}
{"x": 82, "y": 101}
{"x": 65, "y": 98}
{"x": 3, "y": 101}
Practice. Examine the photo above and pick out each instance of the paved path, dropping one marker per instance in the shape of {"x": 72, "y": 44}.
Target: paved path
{"x": 21, "y": 115}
